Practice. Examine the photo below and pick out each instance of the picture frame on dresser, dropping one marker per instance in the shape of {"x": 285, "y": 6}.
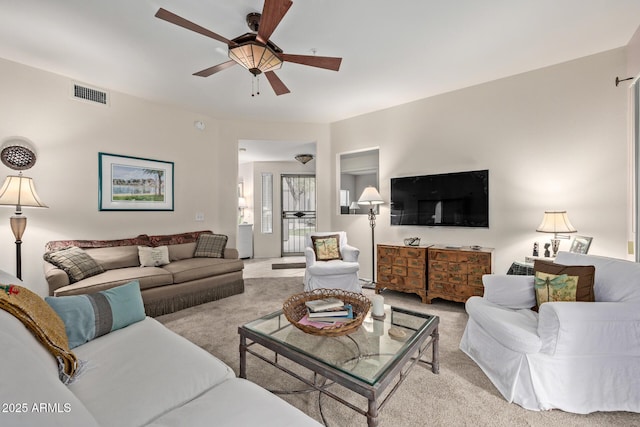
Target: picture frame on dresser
{"x": 127, "y": 183}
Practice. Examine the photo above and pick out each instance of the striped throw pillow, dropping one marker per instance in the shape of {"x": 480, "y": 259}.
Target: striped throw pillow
{"x": 90, "y": 316}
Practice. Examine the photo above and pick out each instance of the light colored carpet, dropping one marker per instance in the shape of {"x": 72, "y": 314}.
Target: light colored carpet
{"x": 461, "y": 395}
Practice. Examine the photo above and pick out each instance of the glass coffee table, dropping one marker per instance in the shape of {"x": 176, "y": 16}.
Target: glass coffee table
{"x": 372, "y": 361}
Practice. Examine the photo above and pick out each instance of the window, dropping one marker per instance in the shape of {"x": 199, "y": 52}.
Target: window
{"x": 267, "y": 203}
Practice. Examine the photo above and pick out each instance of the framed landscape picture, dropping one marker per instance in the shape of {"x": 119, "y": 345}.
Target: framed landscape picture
{"x": 134, "y": 184}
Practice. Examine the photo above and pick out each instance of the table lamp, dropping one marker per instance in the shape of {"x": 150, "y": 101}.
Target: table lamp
{"x": 242, "y": 205}
{"x": 556, "y": 222}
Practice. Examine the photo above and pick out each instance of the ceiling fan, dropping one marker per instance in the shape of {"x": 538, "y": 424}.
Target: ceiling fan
{"x": 254, "y": 51}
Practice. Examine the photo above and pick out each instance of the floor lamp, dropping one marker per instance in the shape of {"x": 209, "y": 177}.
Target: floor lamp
{"x": 370, "y": 197}
{"x": 19, "y": 191}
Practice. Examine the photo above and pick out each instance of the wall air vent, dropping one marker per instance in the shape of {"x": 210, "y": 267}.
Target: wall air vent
{"x": 90, "y": 94}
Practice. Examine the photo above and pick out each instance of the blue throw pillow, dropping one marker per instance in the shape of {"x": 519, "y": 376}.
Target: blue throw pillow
{"x": 89, "y": 316}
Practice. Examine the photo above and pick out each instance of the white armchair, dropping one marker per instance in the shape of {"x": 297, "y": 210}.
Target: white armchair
{"x": 339, "y": 273}
{"x": 579, "y": 357}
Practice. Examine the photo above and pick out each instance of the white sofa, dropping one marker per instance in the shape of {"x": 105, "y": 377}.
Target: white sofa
{"x": 334, "y": 274}
{"x": 579, "y": 357}
{"x": 141, "y": 375}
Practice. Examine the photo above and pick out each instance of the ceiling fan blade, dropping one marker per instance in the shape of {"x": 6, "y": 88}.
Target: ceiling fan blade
{"x": 212, "y": 70}
{"x": 272, "y": 13}
{"x": 326, "y": 62}
{"x": 180, "y": 21}
{"x": 278, "y": 87}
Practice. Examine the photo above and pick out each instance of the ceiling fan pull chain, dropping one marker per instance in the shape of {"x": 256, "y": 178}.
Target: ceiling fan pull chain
{"x": 255, "y": 82}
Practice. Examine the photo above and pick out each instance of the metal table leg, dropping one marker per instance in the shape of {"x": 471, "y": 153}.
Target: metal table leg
{"x": 435, "y": 366}
{"x": 372, "y": 414}
{"x": 243, "y": 356}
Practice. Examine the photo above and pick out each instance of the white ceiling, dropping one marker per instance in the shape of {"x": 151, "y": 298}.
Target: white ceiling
{"x": 394, "y": 51}
{"x": 273, "y": 151}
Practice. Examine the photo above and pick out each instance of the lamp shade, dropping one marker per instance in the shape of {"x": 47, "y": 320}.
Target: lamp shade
{"x": 242, "y": 203}
{"x": 556, "y": 222}
{"x": 354, "y": 206}
{"x": 255, "y": 57}
{"x": 370, "y": 196}
{"x": 19, "y": 191}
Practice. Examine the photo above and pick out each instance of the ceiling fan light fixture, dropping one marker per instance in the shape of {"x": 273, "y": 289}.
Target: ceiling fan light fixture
{"x": 255, "y": 51}
{"x": 304, "y": 158}
{"x": 255, "y": 57}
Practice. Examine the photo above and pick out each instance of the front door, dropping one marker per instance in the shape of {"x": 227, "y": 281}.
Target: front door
{"x": 298, "y": 211}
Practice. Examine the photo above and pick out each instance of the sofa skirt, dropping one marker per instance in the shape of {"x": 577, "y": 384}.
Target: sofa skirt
{"x": 167, "y": 299}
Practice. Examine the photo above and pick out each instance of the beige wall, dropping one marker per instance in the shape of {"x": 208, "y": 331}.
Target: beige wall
{"x": 633, "y": 61}
{"x": 554, "y": 138}
{"x": 68, "y": 135}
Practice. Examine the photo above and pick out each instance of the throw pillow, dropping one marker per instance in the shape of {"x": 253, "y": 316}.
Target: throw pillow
{"x": 327, "y": 248}
{"x": 153, "y": 257}
{"x": 554, "y": 287}
{"x": 45, "y": 325}
{"x": 563, "y": 288}
{"x": 210, "y": 246}
{"x": 74, "y": 261}
{"x": 90, "y": 316}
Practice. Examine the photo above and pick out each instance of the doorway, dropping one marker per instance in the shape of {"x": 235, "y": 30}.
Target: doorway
{"x": 298, "y": 196}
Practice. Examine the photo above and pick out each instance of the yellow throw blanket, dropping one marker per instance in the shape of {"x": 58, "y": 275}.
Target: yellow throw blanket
{"x": 44, "y": 324}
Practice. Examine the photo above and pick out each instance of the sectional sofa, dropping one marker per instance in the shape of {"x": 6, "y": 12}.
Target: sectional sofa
{"x": 186, "y": 279}
{"x": 140, "y": 375}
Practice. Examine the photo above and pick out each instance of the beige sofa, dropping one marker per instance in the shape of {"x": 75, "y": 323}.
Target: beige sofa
{"x": 184, "y": 282}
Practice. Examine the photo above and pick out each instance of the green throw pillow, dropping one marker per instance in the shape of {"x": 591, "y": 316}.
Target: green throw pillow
{"x": 553, "y": 287}
{"x": 90, "y": 316}
{"x": 210, "y": 246}
{"x": 74, "y": 261}
{"x": 327, "y": 248}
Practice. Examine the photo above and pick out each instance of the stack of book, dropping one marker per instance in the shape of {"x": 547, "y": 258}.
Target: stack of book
{"x": 327, "y": 312}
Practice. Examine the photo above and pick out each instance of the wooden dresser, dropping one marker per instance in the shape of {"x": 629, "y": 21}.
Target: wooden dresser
{"x": 402, "y": 268}
{"x": 455, "y": 274}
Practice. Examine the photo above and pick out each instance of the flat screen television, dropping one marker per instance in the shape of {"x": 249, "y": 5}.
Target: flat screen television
{"x": 459, "y": 199}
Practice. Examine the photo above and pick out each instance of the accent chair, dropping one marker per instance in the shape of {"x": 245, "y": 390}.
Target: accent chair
{"x": 331, "y": 262}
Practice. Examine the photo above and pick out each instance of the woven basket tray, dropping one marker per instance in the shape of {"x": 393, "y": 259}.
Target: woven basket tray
{"x": 294, "y": 309}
